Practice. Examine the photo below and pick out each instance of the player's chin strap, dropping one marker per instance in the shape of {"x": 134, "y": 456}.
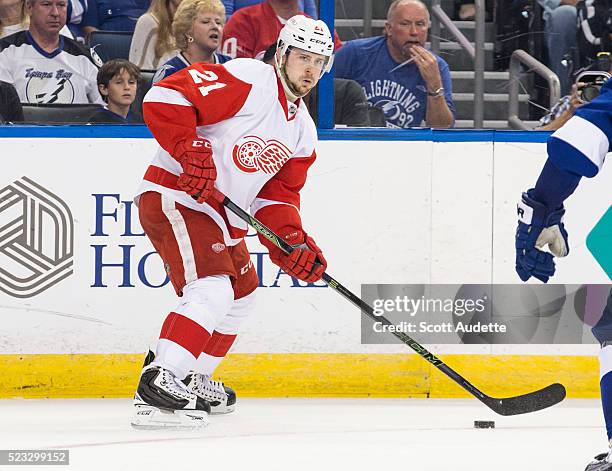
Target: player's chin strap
{"x": 291, "y": 94}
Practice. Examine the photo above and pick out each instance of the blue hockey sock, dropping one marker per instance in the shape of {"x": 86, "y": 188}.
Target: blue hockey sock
{"x": 605, "y": 364}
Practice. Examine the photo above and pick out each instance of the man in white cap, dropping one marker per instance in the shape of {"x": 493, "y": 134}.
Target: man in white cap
{"x": 241, "y": 129}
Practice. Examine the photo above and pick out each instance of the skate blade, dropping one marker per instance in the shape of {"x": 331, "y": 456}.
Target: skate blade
{"x": 219, "y": 410}
{"x": 151, "y": 418}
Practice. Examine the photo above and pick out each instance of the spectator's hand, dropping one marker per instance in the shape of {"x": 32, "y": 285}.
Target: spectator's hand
{"x": 428, "y": 67}
{"x": 575, "y": 100}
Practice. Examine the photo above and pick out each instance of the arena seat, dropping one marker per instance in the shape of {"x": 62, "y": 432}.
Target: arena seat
{"x": 111, "y": 44}
{"x": 144, "y": 85}
{"x": 58, "y": 113}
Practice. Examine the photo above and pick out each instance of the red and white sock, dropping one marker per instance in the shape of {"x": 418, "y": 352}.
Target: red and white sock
{"x": 186, "y": 331}
{"x": 215, "y": 350}
{"x": 224, "y": 335}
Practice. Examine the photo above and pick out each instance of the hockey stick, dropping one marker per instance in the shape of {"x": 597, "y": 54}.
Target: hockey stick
{"x": 523, "y": 404}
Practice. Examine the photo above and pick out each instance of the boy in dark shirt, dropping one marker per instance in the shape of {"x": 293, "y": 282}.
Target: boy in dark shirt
{"x": 117, "y": 83}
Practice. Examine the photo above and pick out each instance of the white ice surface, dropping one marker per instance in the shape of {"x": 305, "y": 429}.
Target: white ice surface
{"x": 311, "y": 434}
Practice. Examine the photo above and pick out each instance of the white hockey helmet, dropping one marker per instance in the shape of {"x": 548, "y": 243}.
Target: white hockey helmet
{"x": 307, "y": 34}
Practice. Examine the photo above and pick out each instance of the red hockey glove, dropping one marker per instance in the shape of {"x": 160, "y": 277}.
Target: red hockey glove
{"x": 305, "y": 263}
{"x": 199, "y": 172}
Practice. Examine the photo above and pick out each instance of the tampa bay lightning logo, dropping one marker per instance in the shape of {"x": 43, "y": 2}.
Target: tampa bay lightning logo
{"x": 162, "y": 72}
{"x": 49, "y": 87}
{"x": 392, "y": 110}
{"x": 396, "y": 114}
{"x": 96, "y": 58}
{"x": 401, "y": 104}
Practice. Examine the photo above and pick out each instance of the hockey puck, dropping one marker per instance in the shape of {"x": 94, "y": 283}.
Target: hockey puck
{"x": 484, "y": 424}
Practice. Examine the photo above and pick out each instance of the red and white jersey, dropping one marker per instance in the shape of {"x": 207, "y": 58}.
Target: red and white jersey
{"x": 262, "y": 144}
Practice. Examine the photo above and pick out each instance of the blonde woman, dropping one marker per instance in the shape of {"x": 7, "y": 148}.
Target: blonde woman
{"x": 197, "y": 29}
{"x": 13, "y": 17}
{"x": 152, "y": 43}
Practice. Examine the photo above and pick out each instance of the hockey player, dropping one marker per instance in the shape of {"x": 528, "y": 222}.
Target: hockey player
{"x": 575, "y": 150}
{"x": 243, "y": 129}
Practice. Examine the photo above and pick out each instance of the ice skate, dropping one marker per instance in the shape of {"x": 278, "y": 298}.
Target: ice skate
{"x": 222, "y": 399}
{"x": 602, "y": 462}
{"x": 163, "y": 401}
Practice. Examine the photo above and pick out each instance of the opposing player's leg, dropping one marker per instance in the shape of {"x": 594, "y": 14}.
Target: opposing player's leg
{"x": 223, "y": 398}
{"x": 199, "y": 267}
{"x": 603, "y": 333}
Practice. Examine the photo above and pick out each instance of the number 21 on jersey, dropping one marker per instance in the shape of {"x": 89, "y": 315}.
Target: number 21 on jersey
{"x": 205, "y": 77}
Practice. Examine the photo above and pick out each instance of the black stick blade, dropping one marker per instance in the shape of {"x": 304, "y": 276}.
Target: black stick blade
{"x": 534, "y": 401}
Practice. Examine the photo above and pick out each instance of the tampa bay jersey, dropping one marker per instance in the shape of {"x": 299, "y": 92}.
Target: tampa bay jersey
{"x": 262, "y": 144}
{"x": 580, "y": 145}
{"x": 179, "y": 62}
{"x": 67, "y": 75}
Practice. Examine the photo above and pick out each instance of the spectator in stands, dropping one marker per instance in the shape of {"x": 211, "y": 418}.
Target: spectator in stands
{"x": 197, "y": 29}
{"x": 595, "y": 32}
{"x": 465, "y": 10}
{"x": 350, "y": 103}
{"x": 397, "y": 73}
{"x": 565, "y": 108}
{"x": 514, "y": 21}
{"x": 74, "y": 17}
{"x": 14, "y": 18}
{"x": 10, "y": 106}
{"x": 307, "y": 6}
{"x": 562, "y": 111}
{"x": 560, "y": 28}
{"x": 113, "y": 15}
{"x": 45, "y": 67}
{"x": 251, "y": 30}
{"x": 152, "y": 43}
{"x": 117, "y": 83}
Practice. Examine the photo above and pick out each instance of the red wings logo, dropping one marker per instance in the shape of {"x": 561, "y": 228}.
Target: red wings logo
{"x": 255, "y": 154}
